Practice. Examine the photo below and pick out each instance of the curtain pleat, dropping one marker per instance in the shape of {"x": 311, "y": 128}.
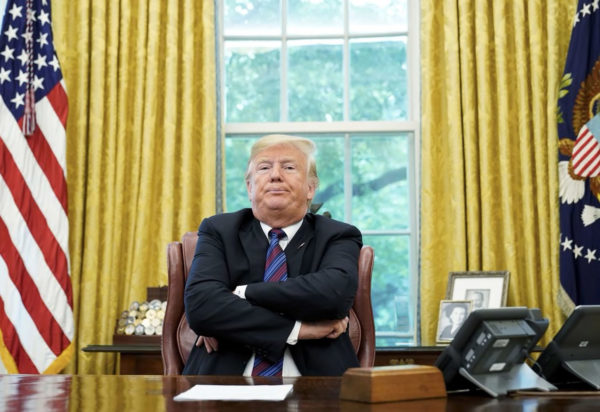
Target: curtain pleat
{"x": 490, "y": 75}
{"x": 141, "y": 141}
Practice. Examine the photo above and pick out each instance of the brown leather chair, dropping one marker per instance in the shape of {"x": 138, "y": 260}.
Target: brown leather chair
{"x": 178, "y": 338}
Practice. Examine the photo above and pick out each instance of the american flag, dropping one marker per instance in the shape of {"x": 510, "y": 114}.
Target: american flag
{"x": 36, "y": 298}
{"x": 579, "y": 161}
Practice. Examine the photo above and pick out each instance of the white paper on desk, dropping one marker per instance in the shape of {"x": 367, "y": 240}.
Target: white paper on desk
{"x": 235, "y": 393}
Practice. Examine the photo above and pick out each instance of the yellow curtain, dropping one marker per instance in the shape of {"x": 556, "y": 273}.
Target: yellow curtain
{"x": 489, "y": 194}
{"x": 141, "y": 144}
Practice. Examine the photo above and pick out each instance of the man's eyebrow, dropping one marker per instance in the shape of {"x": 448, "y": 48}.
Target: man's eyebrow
{"x": 262, "y": 160}
{"x": 269, "y": 160}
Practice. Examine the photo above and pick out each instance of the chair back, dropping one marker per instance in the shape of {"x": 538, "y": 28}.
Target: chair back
{"x": 177, "y": 337}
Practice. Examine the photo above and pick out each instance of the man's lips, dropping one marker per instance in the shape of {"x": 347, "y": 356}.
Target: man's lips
{"x": 276, "y": 190}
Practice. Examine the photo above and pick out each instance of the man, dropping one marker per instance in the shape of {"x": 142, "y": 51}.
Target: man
{"x": 476, "y": 296}
{"x": 302, "y": 319}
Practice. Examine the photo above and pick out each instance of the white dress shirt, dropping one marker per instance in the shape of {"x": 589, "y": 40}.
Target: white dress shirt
{"x": 289, "y": 366}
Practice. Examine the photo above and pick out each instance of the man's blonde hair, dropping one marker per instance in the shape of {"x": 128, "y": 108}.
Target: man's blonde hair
{"x": 303, "y": 144}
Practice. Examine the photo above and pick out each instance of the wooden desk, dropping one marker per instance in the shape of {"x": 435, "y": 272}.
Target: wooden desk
{"x": 112, "y": 393}
{"x": 136, "y": 359}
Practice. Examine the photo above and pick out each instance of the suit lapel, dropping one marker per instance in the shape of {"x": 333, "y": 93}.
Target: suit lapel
{"x": 255, "y": 244}
{"x": 294, "y": 252}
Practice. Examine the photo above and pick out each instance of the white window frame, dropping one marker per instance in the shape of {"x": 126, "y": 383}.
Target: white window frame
{"x": 411, "y": 126}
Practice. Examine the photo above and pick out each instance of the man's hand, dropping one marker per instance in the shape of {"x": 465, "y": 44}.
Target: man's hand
{"x": 330, "y": 329}
{"x": 211, "y": 344}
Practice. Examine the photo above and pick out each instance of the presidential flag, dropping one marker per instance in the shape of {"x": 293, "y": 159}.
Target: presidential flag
{"x": 579, "y": 160}
{"x": 36, "y": 298}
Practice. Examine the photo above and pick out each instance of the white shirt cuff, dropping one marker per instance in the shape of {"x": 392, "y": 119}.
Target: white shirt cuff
{"x": 293, "y": 337}
{"x": 240, "y": 291}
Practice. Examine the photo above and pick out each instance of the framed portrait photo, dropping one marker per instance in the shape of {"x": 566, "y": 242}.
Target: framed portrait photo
{"x": 453, "y": 314}
{"x": 485, "y": 289}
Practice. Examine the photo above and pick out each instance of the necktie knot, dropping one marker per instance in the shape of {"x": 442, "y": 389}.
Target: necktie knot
{"x": 276, "y": 234}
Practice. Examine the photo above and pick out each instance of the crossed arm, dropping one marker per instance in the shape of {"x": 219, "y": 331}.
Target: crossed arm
{"x": 320, "y": 300}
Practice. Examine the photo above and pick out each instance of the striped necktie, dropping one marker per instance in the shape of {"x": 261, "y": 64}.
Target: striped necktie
{"x": 275, "y": 271}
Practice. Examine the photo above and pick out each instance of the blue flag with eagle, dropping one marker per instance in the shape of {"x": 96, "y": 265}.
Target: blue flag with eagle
{"x": 579, "y": 161}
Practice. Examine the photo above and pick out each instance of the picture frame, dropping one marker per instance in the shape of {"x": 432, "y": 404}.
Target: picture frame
{"x": 452, "y": 315}
{"x": 486, "y": 289}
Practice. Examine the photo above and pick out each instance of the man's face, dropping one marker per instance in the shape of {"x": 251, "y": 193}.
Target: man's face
{"x": 477, "y": 299}
{"x": 278, "y": 186}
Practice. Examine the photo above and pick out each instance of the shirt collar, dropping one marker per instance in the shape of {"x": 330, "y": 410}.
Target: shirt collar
{"x": 290, "y": 231}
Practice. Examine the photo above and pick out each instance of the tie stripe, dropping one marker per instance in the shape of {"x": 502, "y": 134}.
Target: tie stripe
{"x": 275, "y": 266}
{"x": 263, "y": 367}
{"x": 275, "y": 271}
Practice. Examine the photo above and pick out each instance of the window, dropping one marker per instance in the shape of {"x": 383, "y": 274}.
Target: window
{"x": 345, "y": 74}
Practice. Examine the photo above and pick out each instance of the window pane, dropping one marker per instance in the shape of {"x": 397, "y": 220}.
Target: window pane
{"x": 391, "y": 290}
{"x": 252, "y": 81}
{"x": 378, "y": 16}
{"x": 248, "y": 17}
{"x": 330, "y": 169}
{"x": 378, "y": 87}
{"x": 380, "y": 191}
{"x": 237, "y": 150}
{"x": 315, "y": 17}
{"x": 315, "y": 88}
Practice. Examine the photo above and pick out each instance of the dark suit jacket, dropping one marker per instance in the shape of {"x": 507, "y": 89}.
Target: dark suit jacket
{"x": 322, "y": 262}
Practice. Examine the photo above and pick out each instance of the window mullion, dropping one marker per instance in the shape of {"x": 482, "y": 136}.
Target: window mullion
{"x": 346, "y": 63}
{"x": 284, "y": 64}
